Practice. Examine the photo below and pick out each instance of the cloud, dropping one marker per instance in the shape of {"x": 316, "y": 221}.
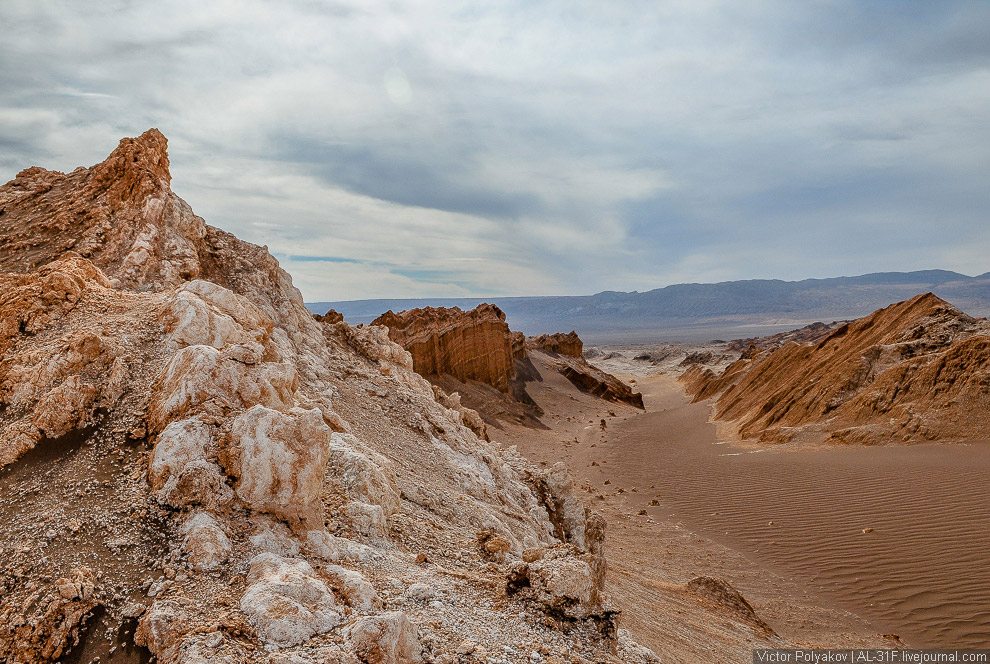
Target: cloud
{"x": 453, "y": 148}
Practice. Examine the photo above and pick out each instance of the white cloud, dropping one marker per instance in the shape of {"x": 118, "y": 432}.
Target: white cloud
{"x": 444, "y": 148}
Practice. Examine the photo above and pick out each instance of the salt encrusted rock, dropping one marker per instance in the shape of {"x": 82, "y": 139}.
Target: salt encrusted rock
{"x": 204, "y": 313}
{"x": 205, "y": 543}
{"x": 279, "y": 460}
{"x": 419, "y": 592}
{"x": 365, "y": 518}
{"x": 373, "y": 342}
{"x": 566, "y": 511}
{"x": 285, "y": 602}
{"x": 362, "y": 474}
{"x": 203, "y": 376}
{"x": 198, "y": 483}
{"x": 467, "y": 416}
{"x": 563, "y": 584}
{"x": 179, "y": 472}
{"x": 161, "y": 348}
{"x": 389, "y": 638}
{"x": 356, "y": 590}
{"x": 631, "y": 652}
{"x": 565, "y": 580}
{"x": 161, "y": 630}
{"x": 181, "y": 443}
{"x": 337, "y": 549}
{"x": 274, "y": 537}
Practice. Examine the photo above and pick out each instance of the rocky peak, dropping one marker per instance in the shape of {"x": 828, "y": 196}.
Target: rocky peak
{"x": 478, "y": 345}
{"x": 168, "y": 403}
{"x": 138, "y": 167}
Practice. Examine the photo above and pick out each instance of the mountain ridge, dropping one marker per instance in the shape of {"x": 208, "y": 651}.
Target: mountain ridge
{"x": 692, "y": 310}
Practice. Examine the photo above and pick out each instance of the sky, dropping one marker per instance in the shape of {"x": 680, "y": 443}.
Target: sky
{"x": 448, "y": 148}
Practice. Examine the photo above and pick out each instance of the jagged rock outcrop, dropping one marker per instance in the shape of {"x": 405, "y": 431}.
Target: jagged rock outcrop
{"x": 569, "y": 344}
{"x": 720, "y": 594}
{"x": 468, "y": 345}
{"x": 808, "y": 334}
{"x": 234, "y": 473}
{"x": 915, "y": 371}
{"x": 564, "y": 352}
{"x": 479, "y": 346}
{"x": 593, "y": 380}
{"x": 566, "y": 584}
{"x": 54, "y": 627}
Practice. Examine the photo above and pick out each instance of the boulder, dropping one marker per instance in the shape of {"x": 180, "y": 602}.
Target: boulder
{"x": 356, "y": 590}
{"x": 285, "y": 602}
{"x": 205, "y": 543}
{"x": 389, "y": 638}
{"x": 279, "y": 460}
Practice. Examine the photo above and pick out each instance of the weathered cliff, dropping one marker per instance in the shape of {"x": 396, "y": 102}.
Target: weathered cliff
{"x": 915, "y": 371}
{"x": 192, "y": 458}
{"x": 478, "y": 345}
{"x": 468, "y": 345}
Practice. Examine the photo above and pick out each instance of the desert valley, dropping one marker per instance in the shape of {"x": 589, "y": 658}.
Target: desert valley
{"x": 198, "y": 468}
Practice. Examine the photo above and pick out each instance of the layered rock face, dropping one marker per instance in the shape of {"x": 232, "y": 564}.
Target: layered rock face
{"x": 479, "y": 346}
{"x": 569, "y": 344}
{"x": 915, "y": 371}
{"x": 187, "y": 449}
{"x": 468, "y": 345}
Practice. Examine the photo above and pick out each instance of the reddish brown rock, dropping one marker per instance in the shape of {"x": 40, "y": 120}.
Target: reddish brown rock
{"x": 723, "y": 597}
{"x": 330, "y": 316}
{"x": 917, "y": 370}
{"x": 53, "y": 625}
{"x": 477, "y": 345}
{"x": 168, "y": 408}
{"x": 122, "y": 215}
{"x": 593, "y": 380}
{"x": 468, "y": 345}
{"x": 569, "y": 344}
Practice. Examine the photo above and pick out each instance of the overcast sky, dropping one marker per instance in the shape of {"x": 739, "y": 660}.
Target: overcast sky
{"x": 392, "y": 149}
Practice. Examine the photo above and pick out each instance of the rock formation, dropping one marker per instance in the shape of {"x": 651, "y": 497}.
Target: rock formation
{"x": 189, "y": 452}
{"x": 468, "y": 345}
{"x": 915, "y": 371}
{"x": 590, "y": 378}
{"x": 477, "y": 345}
{"x": 569, "y": 344}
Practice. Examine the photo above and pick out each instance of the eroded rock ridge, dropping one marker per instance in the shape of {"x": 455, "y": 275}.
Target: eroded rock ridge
{"x": 915, "y": 371}
{"x": 196, "y": 466}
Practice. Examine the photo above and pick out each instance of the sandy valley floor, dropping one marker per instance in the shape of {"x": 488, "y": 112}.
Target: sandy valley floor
{"x": 786, "y": 528}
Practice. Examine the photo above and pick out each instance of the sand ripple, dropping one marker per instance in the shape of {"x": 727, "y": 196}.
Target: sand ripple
{"x": 923, "y": 571}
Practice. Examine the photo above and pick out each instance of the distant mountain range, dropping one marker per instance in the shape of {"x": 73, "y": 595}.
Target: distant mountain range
{"x": 695, "y": 312}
